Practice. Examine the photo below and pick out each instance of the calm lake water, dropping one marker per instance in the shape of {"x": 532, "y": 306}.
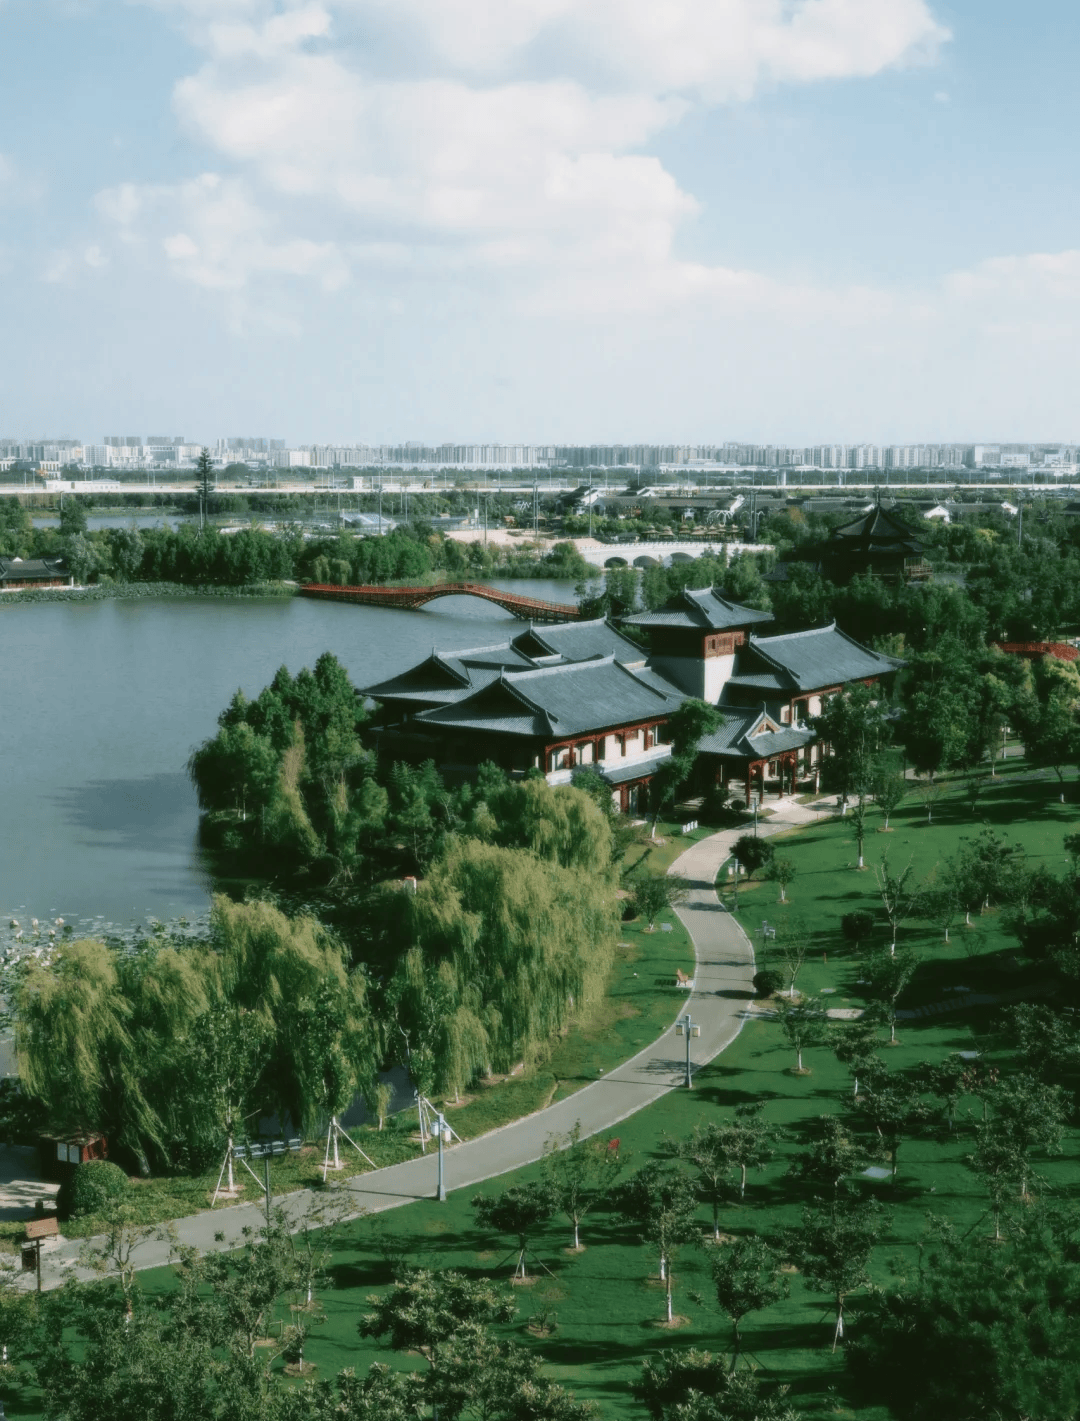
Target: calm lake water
{"x": 104, "y": 701}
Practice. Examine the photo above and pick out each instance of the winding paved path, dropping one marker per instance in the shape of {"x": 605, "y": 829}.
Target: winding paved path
{"x": 723, "y": 984}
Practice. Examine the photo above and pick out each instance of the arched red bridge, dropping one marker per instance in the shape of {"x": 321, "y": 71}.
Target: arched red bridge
{"x": 529, "y": 609}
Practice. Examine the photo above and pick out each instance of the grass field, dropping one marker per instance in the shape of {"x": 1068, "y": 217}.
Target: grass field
{"x": 604, "y": 1301}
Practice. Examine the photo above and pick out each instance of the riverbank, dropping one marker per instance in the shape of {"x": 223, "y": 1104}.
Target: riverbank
{"x": 133, "y": 591}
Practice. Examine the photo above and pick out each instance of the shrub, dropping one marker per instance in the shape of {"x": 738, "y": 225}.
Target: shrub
{"x": 90, "y": 1189}
{"x": 767, "y": 982}
{"x": 857, "y": 926}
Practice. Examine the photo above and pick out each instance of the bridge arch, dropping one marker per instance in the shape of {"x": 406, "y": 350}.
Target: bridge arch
{"x": 528, "y": 609}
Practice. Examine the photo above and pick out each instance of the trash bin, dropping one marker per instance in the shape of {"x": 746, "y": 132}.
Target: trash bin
{"x": 29, "y": 1258}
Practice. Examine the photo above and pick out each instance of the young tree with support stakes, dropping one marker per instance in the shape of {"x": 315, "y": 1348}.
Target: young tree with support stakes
{"x": 898, "y": 895}
{"x": 792, "y": 942}
{"x": 660, "y": 1203}
{"x": 751, "y": 1140}
{"x": 887, "y": 976}
{"x": 706, "y": 1150}
{"x": 782, "y": 871}
{"x": 579, "y": 1174}
{"x": 750, "y": 854}
{"x": 804, "y": 1026}
{"x": 893, "y": 1109}
{"x": 518, "y": 1211}
{"x": 889, "y": 789}
{"x": 829, "y": 1160}
{"x": 858, "y": 816}
{"x": 746, "y": 1275}
{"x": 832, "y": 1250}
{"x": 855, "y": 1045}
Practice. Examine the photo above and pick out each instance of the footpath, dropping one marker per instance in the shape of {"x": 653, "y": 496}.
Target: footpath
{"x": 718, "y": 1004}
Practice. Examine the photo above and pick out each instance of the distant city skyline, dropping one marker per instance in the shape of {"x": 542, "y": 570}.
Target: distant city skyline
{"x": 165, "y": 452}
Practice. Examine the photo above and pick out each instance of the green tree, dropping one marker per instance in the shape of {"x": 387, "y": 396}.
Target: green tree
{"x": 803, "y": 1025}
{"x": 1030, "y": 1116}
{"x": 518, "y": 1211}
{"x": 72, "y": 517}
{"x": 746, "y": 1275}
{"x": 579, "y": 1174}
{"x": 660, "y": 1203}
{"x": 656, "y": 893}
{"x": 831, "y": 1157}
{"x": 707, "y": 1151}
{"x": 782, "y": 871}
{"x": 899, "y": 896}
{"x": 204, "y": 480}
{"x": 751, "y": 1141}
{"x": 887, "y": 975}
{"x": 832, "y": 1250}
{"x": 889, "y": 790}
{"x": 793, "y": 943}
{"x": 977, "y": 1332}
{"x": 855, "y": 1045}
{"x": 854, "y": 729}
{"x": 75, "y": 1047}
{"x": 698, "y": 1386}
{"x": 425, "y": 1309}
{"x": 894, "y": 1110}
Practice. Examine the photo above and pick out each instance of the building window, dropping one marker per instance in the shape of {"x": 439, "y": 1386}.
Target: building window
{"x": 601, "y": 748}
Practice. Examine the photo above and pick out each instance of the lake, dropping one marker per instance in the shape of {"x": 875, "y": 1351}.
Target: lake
{"x": 104, "y": 702}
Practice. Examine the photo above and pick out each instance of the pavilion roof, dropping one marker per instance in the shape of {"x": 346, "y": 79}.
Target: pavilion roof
{"x": 751, "y": 733}
{"x": 702, "y": 609}
{"x": 810, "y": 660}
{"x": 568, "y": 699}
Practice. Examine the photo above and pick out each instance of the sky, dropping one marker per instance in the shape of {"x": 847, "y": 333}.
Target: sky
{"x": 784, "y": 221}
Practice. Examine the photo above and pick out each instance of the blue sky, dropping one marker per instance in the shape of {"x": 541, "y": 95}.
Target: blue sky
{"x": 783, "y": 220}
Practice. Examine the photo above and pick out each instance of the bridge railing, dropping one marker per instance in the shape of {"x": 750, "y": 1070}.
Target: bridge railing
{"x": 417, "y": 596}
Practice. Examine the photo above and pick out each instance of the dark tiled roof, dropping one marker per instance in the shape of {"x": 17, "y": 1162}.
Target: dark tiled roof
{"x": 761, "y": 680}
{"x": 748, "y": 735}
{"x": 445, "y": 678}
{"x": 620, "y": 772}
{"x": 31, "y": 569}
{"x": 576, "y": 641}
{"x": 704, "y": 609}
{"x": 823, "y": 656}
{"x": 877, "y": 531}
{"x": 572, "y": 698}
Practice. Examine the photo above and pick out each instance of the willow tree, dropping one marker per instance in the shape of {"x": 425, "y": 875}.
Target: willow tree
{"x": 76, "y": 1051}
{"x": 292, "y": 977}
{"x": 524, "y": 943}
{"x": 559, "y": 823}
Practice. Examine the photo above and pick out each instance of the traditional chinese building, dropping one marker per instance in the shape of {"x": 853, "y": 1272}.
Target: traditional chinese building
{"x": 558, "y": 699}
{"x": 33, "y": 572}
{"x": 555, "y": 699}
{"x": 877, "y": 544}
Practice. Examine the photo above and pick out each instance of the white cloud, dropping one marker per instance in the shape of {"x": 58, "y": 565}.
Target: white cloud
{"x": 510, "y": 135}
{"x": 225, "y": 239}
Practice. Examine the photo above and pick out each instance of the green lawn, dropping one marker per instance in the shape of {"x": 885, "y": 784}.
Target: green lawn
{"x": 606, "y": 1302}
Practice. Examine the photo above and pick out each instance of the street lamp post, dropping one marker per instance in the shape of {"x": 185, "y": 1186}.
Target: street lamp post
{"x": 686, "y": 1027}
{"x": 440, "y": 1125}
{"x": 265, "y": 1152}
